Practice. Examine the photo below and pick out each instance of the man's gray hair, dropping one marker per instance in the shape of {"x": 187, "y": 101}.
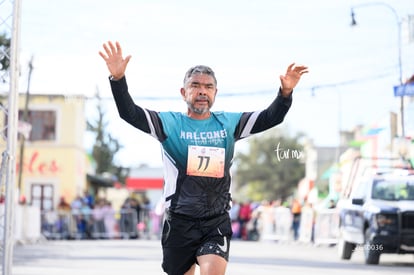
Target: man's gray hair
{"x": 199, "y": 69}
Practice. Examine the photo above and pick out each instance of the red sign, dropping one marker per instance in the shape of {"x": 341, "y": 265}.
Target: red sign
{"x": 144, "y": 183}
{"x": 38, "y": 166}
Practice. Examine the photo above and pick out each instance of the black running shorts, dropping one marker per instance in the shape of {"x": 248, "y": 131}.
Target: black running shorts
{"x": 185, "y": 238}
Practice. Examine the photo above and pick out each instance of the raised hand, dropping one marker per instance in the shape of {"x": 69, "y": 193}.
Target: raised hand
{"x": 114, "y": 60}
{"x": 291, "y": 78}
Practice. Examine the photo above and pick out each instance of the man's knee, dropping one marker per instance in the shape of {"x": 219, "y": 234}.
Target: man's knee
{"x": 212, "y": 264}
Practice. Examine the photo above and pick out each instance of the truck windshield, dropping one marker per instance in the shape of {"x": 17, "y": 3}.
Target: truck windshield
{"x": 394, "y": 190}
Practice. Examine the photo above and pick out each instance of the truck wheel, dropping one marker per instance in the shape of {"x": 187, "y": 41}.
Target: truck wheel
{"x": 371, "y": 255}
{"x": 345, "y": 249}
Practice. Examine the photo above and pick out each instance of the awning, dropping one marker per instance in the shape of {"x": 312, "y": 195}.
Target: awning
{"x": 100, "y": 181}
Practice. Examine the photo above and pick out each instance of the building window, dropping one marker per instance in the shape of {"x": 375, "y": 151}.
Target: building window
{"x": 43, "y": 125}
{"x": 42, "y": 196}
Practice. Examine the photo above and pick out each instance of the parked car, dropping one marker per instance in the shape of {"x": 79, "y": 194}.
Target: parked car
{"x": 378, "y": 217}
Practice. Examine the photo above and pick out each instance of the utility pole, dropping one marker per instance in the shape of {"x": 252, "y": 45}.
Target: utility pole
{"x": 398, "y": 20}
{"x": 24, "y": 119}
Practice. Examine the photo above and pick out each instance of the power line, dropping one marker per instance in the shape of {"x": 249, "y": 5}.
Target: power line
{"x": 270, "y": 91}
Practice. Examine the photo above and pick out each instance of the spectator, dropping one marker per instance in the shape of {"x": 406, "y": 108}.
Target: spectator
{"x": 331, "y": 204}
{"x": 128, "y": 221}
{"x": 98, "y": 219}
{"x": 88, "y": 199}
{"x": 234, "y": 216}
{"x": 244, "y": 217}
{"x": 109, "y": 220}
{"x": 65, "y": 220}
{"x": 22, "y": 200}
{"x": 296, "y": 210}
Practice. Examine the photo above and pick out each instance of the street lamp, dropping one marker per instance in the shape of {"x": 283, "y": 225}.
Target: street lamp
{"x": 399, "y": 23}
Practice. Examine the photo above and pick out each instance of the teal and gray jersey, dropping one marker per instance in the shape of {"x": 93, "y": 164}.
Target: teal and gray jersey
{"x": 197, "y": 154}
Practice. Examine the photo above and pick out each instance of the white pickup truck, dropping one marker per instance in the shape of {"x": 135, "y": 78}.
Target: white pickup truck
{"x": 378, "y": 217}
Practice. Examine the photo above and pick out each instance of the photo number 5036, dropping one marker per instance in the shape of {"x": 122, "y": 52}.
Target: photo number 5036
{"x": 373, "y": 247}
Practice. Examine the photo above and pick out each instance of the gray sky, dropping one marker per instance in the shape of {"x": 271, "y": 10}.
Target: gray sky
{"x": 248, "y": 44}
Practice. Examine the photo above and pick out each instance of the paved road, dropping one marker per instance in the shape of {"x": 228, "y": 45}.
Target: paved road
{"x": 132, "y": 257}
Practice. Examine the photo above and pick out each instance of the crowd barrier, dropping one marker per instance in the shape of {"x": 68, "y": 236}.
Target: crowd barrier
{"x": 306, "y": 226}
{"x": 280, "y": 228}
{"x": 327, "y": 226}
{"x": 319, "y": 227}
{"x": 95, "y": 224}
{"x": 26, "y": 223}
{"x": 316, "y": 226}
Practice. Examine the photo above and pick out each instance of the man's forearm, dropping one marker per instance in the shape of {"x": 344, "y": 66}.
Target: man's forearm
{"x": 274, "y": 114}
{"x": 127, "y": 109}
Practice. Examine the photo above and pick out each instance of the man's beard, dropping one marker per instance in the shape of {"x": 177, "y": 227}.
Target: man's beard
{"x": 200, "y": 111}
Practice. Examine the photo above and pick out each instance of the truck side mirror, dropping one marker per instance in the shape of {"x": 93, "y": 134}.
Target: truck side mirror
{"x": 358, "y": 201}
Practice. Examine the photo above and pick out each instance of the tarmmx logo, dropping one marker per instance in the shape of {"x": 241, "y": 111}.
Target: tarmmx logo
{"x": 283, "y": 153}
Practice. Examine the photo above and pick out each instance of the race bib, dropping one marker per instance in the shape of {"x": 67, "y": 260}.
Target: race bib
{"x": 205, "y": 161}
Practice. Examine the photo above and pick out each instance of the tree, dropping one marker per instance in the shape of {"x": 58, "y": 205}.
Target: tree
{"x": 271, "y": 168}
{"x": 105, "y": 147}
